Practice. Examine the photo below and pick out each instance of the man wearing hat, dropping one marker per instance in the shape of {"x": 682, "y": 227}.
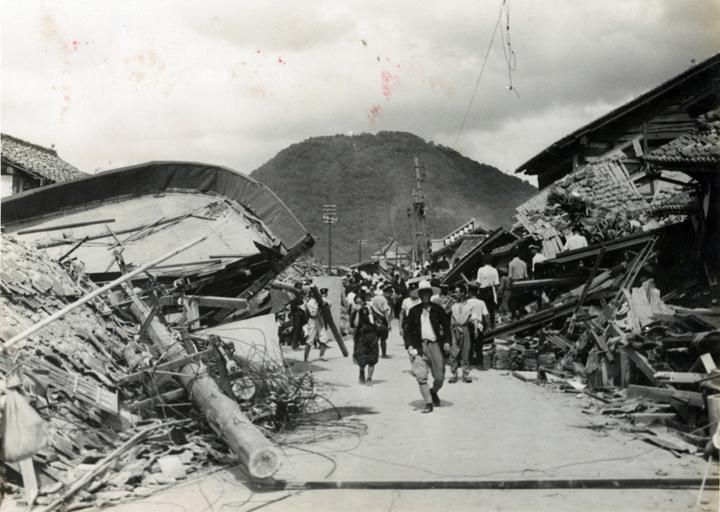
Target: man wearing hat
{"x": 428, "y": 329}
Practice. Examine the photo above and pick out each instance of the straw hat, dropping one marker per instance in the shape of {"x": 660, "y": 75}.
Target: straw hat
{"x": 424, "y": 285}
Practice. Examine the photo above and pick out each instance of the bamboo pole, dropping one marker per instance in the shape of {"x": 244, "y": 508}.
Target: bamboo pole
{"x": 95, "y": 293}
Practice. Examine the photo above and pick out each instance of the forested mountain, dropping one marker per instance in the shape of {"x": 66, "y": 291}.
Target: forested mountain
{"x": 371, "y": 177}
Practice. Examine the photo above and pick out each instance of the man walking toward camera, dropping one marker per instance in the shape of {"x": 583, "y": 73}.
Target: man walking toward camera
{"x": 460, "y": 317}
{"x": 428, "y": 327}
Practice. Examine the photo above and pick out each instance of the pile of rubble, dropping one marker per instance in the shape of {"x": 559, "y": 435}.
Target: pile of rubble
{"x": 602, "y": 200}
{"x": 617, "y": 340}
{"x": 108, "y": 402}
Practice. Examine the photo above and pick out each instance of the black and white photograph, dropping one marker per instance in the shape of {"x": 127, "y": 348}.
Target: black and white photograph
{"x": 360, "y": 256}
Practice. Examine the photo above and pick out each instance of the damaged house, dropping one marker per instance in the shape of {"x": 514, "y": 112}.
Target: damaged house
{"x": 26, "y": 166}
{"x": 127, "y": 299}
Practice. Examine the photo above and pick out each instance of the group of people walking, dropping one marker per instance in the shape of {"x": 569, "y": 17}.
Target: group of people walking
{"x": 438, "y": 329}
{"x": 308, "y": 325}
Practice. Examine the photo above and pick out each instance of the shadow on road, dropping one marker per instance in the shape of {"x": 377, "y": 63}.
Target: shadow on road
{"x": 419, "y": 404}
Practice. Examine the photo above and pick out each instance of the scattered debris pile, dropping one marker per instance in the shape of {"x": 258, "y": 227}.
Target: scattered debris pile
{"x": 108, "y": 403}
{"x": 624, "y": 345}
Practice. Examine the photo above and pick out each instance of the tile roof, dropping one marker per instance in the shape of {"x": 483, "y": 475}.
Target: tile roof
{"x": 38, "y": 160}
{"x": 700, "y": 147}
{"x": 676, "y": 82}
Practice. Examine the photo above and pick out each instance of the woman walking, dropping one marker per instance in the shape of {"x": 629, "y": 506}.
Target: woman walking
{"x": 365, "y": 350}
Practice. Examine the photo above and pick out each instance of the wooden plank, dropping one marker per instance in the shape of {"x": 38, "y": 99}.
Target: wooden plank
{"x": 175, "y": 394}
{"x": 652, "y": 417}
{"x": 64, "y": 226}
{"x": 133, "y": 377}
{"x": 600, "y": 342}
{"x": 680, "y": 377}
{"x": 708, "y": 362}
{"x": 624, "y": 367}
{"x": 643, "y": 365}
{"x": 75, "y": 247}
{"x": 666, "y": 395}
{"x": 148, "y": 319}
{"x": 30, "y": 483}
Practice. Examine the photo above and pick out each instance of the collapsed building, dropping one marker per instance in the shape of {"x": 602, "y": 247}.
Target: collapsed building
{"x": 138, "y": 338}
{"x": 633, "y": 318}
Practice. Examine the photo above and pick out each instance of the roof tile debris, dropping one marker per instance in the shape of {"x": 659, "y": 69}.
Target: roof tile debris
{"x": 43, "y": 162}
{"x": 700, "y": 147}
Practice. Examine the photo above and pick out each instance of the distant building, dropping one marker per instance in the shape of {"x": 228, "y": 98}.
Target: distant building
{"x": 26, "y": 166}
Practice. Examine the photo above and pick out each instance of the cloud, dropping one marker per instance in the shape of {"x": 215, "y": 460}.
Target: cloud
{"x": 113, "y": 83}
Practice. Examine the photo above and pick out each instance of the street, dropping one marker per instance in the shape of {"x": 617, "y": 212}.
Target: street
{"x": 383, "y": 452}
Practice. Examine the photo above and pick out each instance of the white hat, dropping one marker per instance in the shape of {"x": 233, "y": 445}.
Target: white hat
{"x": 424, "y": 285}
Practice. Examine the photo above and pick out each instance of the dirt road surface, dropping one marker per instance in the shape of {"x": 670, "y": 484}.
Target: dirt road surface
{"x": 385, "y": 455}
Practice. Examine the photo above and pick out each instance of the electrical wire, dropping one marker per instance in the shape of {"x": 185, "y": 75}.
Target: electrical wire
{"x": 480, "y": 74}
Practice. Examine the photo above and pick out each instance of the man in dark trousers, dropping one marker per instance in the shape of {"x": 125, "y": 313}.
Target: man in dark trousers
{"x": 298, "y": 316}
{"x": 428, "y": 328}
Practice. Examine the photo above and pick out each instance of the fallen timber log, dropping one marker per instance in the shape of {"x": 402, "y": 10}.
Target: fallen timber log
{"x": 256, "y": 452}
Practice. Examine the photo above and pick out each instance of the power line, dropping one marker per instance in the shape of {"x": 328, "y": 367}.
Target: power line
{"x": 482, "y": 69}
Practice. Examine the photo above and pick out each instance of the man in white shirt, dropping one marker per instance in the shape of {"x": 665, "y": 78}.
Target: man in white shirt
{"x": 574, "y": 240}
{"x": 460, "y": 314}
{"x": 380, "y": 306}
{"x": 537, "y": 257}
{"x": 517, "y": 269}
{"x": 487, "y": 280}
{"x": 317, "y": 330}
{"x": 479, "y": 318}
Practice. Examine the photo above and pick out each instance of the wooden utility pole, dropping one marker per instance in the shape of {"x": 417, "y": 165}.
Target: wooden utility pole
{"x": 418, "y": 211}
{"x": 329, "y": 217}
{"x": 360, "y": 244}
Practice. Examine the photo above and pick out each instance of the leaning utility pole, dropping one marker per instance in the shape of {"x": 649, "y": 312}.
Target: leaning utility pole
{"x": 419, "y": 212}
{"x": 329, "y": 217}
{"x": 360, "y": 244}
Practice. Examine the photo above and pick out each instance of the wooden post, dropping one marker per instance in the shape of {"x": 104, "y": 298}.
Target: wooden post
{"x": 260, "y": 456}
{"x": 328, "y": 319}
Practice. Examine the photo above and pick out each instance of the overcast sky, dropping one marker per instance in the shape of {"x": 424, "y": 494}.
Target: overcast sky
{"x": 113, "y": 83}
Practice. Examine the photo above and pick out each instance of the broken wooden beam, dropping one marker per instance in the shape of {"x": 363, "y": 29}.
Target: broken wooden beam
{"x": 75, "y": 248}
{"x": 146, "y": 403}
{"x": 680, "y": 377}
{"x": 133, "y": 377}
{"x": 642, "y": 364}
{"x": 666, "y": 395}
{"x": 209, "y": 301}
{"x": 256, "y": 452}
{"x": 63, "y": 226}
